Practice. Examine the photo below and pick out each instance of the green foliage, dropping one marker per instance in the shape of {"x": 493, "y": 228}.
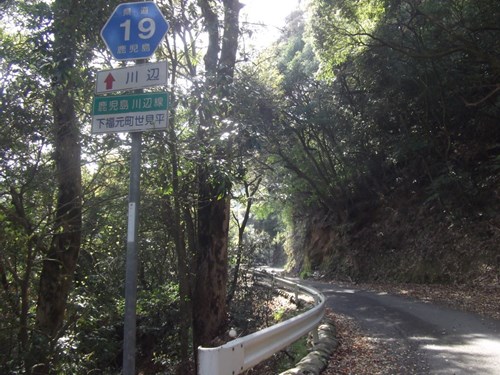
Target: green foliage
{"x": 305, "y": 270}
{"x": 368, "y": 98}
{"x": 341, "y": 29}
{"x": 294, "y": 353}
{"x": 27, "y": 195}
{"x": 410, "y": 82}
{"x": 406, "y": 99}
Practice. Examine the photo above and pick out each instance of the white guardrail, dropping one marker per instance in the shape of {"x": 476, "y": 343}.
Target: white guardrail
{"x": 245, "y": 352}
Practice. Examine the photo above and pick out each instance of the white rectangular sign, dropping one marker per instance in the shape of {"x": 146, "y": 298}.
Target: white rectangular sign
{"x": 130, "y": 122}
{"x": 133, "y": 77}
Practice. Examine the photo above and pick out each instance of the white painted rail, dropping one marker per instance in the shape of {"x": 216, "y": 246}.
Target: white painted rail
{"x": 245, "y": 352}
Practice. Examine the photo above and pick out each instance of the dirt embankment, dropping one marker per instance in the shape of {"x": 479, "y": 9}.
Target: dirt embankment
{"x": 401, "y": 238}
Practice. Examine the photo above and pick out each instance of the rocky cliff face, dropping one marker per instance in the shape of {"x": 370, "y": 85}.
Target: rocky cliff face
{"x": 399, "y": 239}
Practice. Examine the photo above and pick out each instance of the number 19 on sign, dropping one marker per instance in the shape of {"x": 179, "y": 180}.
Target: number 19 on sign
{"x": 134, "y": 30}
{"x": 146, "y": 27}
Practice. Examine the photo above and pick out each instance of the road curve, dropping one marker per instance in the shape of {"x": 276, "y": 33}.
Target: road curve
{"x": 430, "y": 339}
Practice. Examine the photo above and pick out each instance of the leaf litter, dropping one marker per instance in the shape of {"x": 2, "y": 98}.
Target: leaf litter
{"x": 361, "y": 354}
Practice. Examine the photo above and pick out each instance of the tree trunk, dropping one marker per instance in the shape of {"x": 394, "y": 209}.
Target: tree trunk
{"x": 60, "y": 261}
{"x": 180, "y": 248}
{"x": 241, "y": 231}
{"x": 211, "y": 277}
{"x": 209, "y": 295}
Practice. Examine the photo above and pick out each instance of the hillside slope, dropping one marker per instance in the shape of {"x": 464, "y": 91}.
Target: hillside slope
{"x": 400, "y": 238}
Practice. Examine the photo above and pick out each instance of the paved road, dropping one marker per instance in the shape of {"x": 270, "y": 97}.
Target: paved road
{"x": 429, "y": 338}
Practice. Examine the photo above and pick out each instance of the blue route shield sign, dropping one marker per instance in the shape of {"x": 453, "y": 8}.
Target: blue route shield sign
{"x": 134, "y": 30}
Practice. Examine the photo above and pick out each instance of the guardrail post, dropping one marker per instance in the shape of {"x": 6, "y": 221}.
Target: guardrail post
{"x": 315, "y": 330}
{"x": 296, "y": 292}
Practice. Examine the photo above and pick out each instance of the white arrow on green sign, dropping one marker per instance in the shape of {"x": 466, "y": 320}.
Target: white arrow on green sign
{"x": 130, "y": 113}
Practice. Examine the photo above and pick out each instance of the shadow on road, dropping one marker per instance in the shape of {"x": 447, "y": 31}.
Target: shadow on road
{"x": 429, "y": 339}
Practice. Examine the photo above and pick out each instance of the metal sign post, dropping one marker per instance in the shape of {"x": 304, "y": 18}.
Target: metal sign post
{"x": 133, "y": 32}
{"x": 131, "y": 264}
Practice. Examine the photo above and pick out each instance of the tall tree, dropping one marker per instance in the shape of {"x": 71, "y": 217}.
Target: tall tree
{"x": 60, "y": 261}
{"x": 213, "y": 195}
{"x": 425, "y": 78}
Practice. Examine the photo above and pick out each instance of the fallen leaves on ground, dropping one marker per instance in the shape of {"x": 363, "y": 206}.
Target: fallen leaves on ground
{"x": 359, "y": 354}
{"x": 479, "y": 299}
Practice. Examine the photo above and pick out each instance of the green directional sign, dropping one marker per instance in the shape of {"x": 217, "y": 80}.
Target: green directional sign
{"x": 130, "y": 113}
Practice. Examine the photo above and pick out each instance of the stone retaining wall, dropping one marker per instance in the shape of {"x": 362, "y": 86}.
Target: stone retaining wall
{"x": 319, "y": 356}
